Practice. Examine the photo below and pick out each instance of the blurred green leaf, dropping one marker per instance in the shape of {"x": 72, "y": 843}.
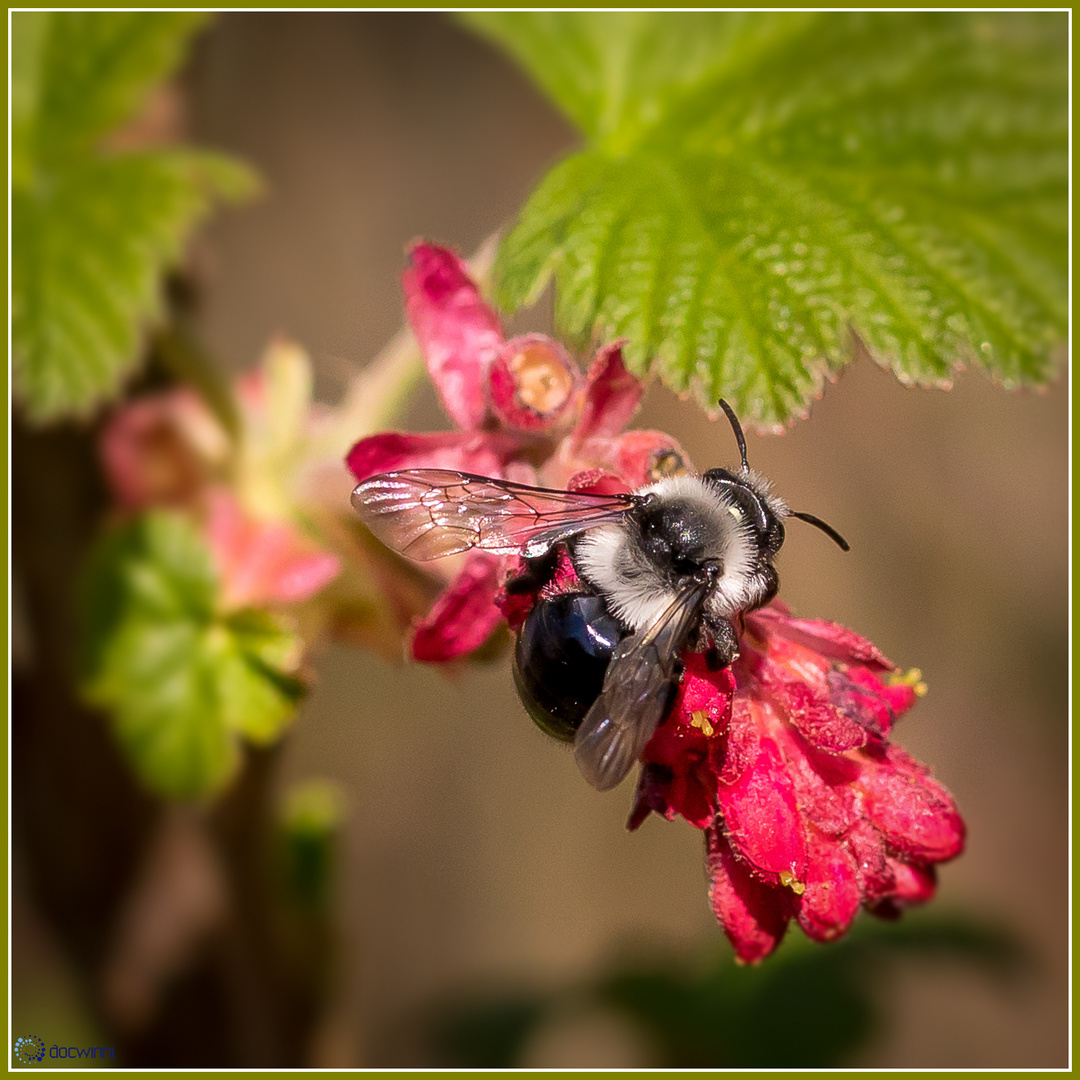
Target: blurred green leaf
{"x": 87, "y": 257}
{"x": 28, "y": 33}
{"x": 808, "y": 1006}
{"x": 92, "y": 232}
{"x": 97, "y": 67}
{"x": 308, "y": 830}
{"x": 486, "y": 1032}
{"x": 756, "y": 186}
{"x": 181, "y": 680}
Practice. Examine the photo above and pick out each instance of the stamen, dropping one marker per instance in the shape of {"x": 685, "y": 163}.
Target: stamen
{"x": 912, "y": 677}
{"x": 700, "y": 720}
{"x": 666, "y": 463}
{"x": 543, "y": 382}
{"x": 790, "y": 881}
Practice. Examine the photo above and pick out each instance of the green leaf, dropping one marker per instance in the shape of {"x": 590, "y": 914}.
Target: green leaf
{"x": 756, "y": 187}
{"x": 181, "y": 680}
{"x": 725, "y": 1015}
{"x": 88, "y": 252}
{"x": 93, "y": 232}
{"x": 29, "y": 30}
{"x": 96, "y": 68}
{"x": 809, "y": 1006}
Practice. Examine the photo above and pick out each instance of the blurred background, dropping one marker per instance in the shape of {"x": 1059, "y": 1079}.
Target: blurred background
{"x": 473, "y": 860}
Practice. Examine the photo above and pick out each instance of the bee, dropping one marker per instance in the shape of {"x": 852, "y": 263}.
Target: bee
{"x": 663, "y": 570}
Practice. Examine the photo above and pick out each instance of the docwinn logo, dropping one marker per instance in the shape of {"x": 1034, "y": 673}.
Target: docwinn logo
{"x": 29, "y": 1050}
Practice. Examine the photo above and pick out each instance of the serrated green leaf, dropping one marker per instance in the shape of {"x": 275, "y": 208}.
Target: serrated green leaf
{"x": 259, "y": 696}
{"x": 88, "y": 252}
{"x": 29, "y": 30}
{"x": 93, "y": 232}
{"x": 181, "y": 680}
{"x": 611, "y": 73}
{"x": 95, "y": 69}
{"x": 758, "y": 186}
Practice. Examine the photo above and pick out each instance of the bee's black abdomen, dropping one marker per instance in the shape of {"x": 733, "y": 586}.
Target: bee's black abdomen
{"x": 562, "y": 652}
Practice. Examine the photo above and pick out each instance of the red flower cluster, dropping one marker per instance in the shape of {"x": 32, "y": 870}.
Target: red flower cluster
{"x": 784, "y": 761}
{"x": 784, "y": 758}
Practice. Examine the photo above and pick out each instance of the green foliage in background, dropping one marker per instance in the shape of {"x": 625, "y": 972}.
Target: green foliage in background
{"x": 809, "y": 1007}
{"x": 93, "y": 229}
{"x": 308, "y": 839}
{"x": 182, "y": 680}
{"x": 753, "y": 187}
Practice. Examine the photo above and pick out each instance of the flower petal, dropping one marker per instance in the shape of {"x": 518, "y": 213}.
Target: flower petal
{"x": 263, "y": 562}
{"x": 914, "y": 813}
{"x": 831, "y": 898}
{"x": 611, "y": 397}
{"x": 876, "y": 877}
{"x": 753, "y": 915}
{"x": 684, "y": 756}
{"x": 741, "y": 740}
{"x": 464, "y": 617}
{"x": 822, "y": 783}
{"x": 597, "y": 482}
{"x": 762, "y": 820}
{"x": 465, "y": 451}
{"x": 825, "y": 638}
{"x": 915, "y": 884}
{"x": 870, "y": 703}
{"x": 814, "y": 717}
{"x": 458, "y": 332}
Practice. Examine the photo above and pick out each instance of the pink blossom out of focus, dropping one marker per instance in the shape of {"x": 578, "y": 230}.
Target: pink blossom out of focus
{"x": 169, "y": 450}
{"x": 159, "y": 450}
{"x": 262, "y": 563}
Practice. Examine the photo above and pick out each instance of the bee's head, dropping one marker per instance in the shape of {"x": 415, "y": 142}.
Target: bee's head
{"x": 761, "y": 511}
{"x": 758, "y": 511}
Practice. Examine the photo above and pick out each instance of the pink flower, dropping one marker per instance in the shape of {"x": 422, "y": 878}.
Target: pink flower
{"x": 811, "y": 812}
{"x": 160, "y": 449}
{"x": 524, "y": 412}
{"x": 262, "y": 563}
{"x": 169, "y": 449}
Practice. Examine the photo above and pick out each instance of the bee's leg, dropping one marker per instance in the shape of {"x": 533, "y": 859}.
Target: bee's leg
{"x": 725, "y": 645}
{"x": 534, "y": 573}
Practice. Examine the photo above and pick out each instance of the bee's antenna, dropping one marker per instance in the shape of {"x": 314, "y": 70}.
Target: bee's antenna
{"x": 737, "y": 428}
{"x": 827, "y": 529}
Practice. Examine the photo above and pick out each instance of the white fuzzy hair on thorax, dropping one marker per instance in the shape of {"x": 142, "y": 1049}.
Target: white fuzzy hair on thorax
{"x": 612, "y": 560}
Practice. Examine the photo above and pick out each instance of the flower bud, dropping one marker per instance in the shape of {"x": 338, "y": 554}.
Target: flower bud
{"x": 533, "y": 385}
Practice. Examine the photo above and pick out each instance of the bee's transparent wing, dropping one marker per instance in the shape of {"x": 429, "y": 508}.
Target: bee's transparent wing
{"x": 428, "y": 513}
{"x": 635, "y": 693}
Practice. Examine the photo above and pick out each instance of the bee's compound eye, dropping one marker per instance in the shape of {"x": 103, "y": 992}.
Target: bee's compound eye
{"x": 562, "y": 652}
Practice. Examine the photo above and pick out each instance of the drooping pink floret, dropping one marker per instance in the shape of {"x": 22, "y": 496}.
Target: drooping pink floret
{"x": 815, "y": 813}
{"x": 160, "y": 449}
